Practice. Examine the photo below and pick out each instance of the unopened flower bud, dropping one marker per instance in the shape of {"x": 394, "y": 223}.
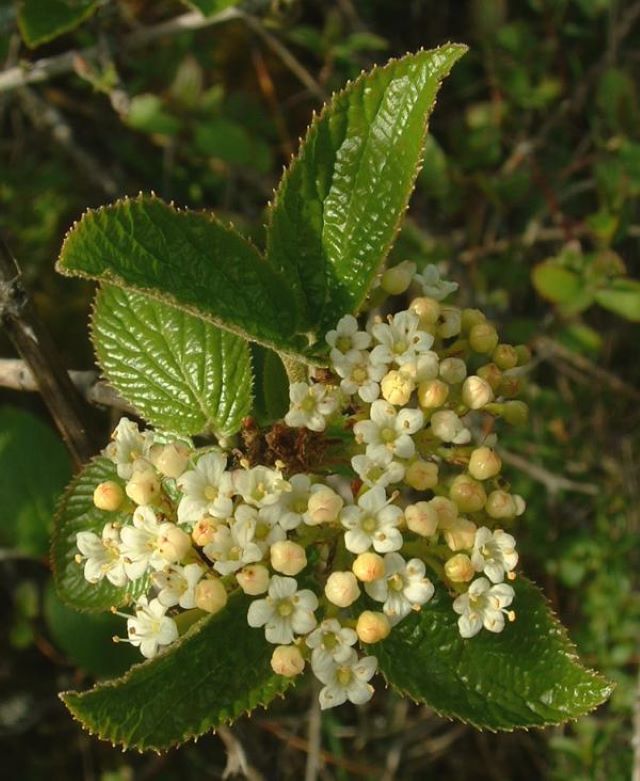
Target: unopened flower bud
{"x": 521, "y": 505}
{"x": 342, "y": 588}
{"x": 524, "y": 354}
{"x": 144, "y": 486}
{"x": 471, "y": 317}
{"x": 172, "y": 460}
{"x": 468, "y": 494}
{"x": 211, "y": 595}
{"x": 372, "y": 627}
{"x": 173, "y": 543}
{"x": 427, "y": 309}
{"x": 500, "y": 504}
{"x": 397, "y": 387}
{"x": 324, "y": 506}
{"x": 448, "y": 427}
{"x": 515, "y": 412}
{"x": 476, "y": 392}
{"x": 459, "y": 568}
{"x": 446, "y": 509}
{"x": 368, "y": 567}
{"x": 450, "y": 322}
{"x": 453, "y": 370}
{"x": 483, "y": 338}
{"x": 491, "y": 374}
{"x": 461, "y": 534}
{"x": 397, "y": 279}
{"x": 484, "y": 463}
{"x": 505, "y": 356}
{"x": 253, "y": 579}
{"x": 108, "y": 496}
{"x": 288, "y": 557}
{"x": 204, "y": 531}
{"x": 287, "y": 660}
{"x": 421, "y": 518}
{"x": 421, "y": 475}
{"x": 432, "y": 393}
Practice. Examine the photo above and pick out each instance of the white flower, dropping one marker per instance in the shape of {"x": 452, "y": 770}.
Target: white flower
{"x": 285, "y": 612}
{"x": 233, "y": 546}
{"x": 260, "y": 486}
{"x": 140, "y": 543}
{"x": 346, "y": 338}
{"x": 432, "y": 285}
{"x": 379, "y": 470}
{"x": 401, "y": 341}
{"x": 359, "y": 375}
{"x": 373, "y": 522}
{"x": 331, "y": 641}
{"x": 103, "y": 556}
{"x": 484, "y": 605}
{"x": 345, "y": 680}
{"x": 448, "y": 427}
{"x": 311, "y": 405}
{"x": 206, "y": 489}
{"x": 389, "y": 430}
{"x": 177, "y": 585}
{"x": 494, "y": 553}
{"x": 151, "y": 628}
{"x": 403, "y": 588}
{"x": 287, "y": 512}
{"x": 128, "y": 445}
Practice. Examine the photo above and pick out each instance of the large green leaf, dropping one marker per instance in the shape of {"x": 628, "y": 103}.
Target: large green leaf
{"x": 190, "y": 260}
{"x": 77, "y": 512}
{"x": 182, "y": 373}
{"x": 34, "y": 468}
{"x": 527, "y": 676}
{"x": 42, "y": 20}
{"x": 339, "y": 206}
{"x": 219, "y": 670}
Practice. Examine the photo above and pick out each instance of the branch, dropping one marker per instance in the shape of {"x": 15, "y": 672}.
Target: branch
{"x": 552, "y": 482}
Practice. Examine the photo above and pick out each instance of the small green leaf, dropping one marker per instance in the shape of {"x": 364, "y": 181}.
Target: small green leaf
{"x": 210, "y": 7}
{"x": 338, "y": 207}
{"x": 76, "y": 513}
{"x": 42, "y": 20}
{"x": 622, "y": 297}
{"x": 556, "y": 283}
{"x": 527, "y": 676}
{"x": 217, "y": 671}
{"x": 34, "y": 468}
{"x": 148, "y": 114}
{"x": 271, "y": 386}
{"x": 182, "y": 373}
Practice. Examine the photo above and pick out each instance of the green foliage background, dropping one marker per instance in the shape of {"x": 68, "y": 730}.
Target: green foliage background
{"x": 529, "y": 190}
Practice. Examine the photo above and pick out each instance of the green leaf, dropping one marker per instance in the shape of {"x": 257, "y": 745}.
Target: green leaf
{"x": 622, "y": 297}
{"x": 182, "y": 373}
{"x": 556, "y": 283}
{"x": 42, "y": 20}
{"x": 210, "y": 7}
{"x": 34, "y": 468}
{"x": 148, "y": 114}
{"x": 271, "y": 386}
{"x": 527, "y": 676}
{"x": 190, "y": 260}
{"x": 76, "y": 513}
{"x": 339, "y": 206}
{"x": 217, "y": 671}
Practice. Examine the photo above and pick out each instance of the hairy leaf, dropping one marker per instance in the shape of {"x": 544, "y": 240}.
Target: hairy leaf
{"x": 42, "y": 20}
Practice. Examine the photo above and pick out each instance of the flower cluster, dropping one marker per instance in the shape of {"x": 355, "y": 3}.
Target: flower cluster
{"x": 419, "y": 499}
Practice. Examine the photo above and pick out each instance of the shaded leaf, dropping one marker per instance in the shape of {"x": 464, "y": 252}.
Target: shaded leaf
{"x": 556, "y": 283}
{"x": 622, "y": 297}
{"x": 42, "y": 20}
{"x": 210, "y": 7}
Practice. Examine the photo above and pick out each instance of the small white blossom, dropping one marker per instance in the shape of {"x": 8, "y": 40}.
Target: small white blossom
{"x": 287, "y": 512}
{"x": 432, "y": 285}
{"x": 494, "y": 553}
{"x": 483, "y": 605}
{"x": 233, "y": 546}
{"x": 331, "y": 641}
{"x": 359, "y": 375}
{"x": 379, "y": 470}
{"x": 285, "y": 612}
{"x": 373, "y": 522}
{"x": 401, "y": 341}
{"x": 151, "y": 628}
{"x": 128, "y": 446}
{"x": 346, "y": 337}
{"x": 260, "y": 486}
{"x": 141, "y": 542}
{"x": 345, "y": 680}
{"x": 403, "y": 588}
{"x": 448, "y": 427}
{"x": 177, "y": 585}
{"x": 103, "y": 556}
{"x": 389, "y": 430}
{"x": 206, "y": 489}
{"x": 311, "y": 405}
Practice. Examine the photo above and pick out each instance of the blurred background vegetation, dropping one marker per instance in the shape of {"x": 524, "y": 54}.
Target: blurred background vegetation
{"x": 529, "y": 195}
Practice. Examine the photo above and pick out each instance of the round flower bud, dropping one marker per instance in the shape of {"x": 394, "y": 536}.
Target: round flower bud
{"x": 476, "y": 392}
{"x": 450, "y": 322}
{"x": 432, "y": 393}
{"x": 172, "y": 460}
{"x": 491, "y": 374}
{"x": 515, "y": 412}
{"x": 324, "y": 506}
{"x": 524, "y": 354}
{"x": 253, "y": 579}
{"x": 144, "y": 486}
{"x": 468, "y": 494}
{"x": 427, "y": 309}
{"x": 368, "y": 567}
{"x": 211, "y": 595}
{"x": 500, "y": 504}
{"x": 287, "y": 660}
{"x": 108, "y": 496}
{"x": 460, "y": 535}
{"x": 446, "y": 509}
{"x": 397, "y": 279}
{"x": 447, "y": 426}
{"x": 421, "y": 475}
{"x": 421, "y": 518}
{"x": 459, "y": 568}
{"x": 521, "y": 505}
{"x": 484, "y": 463}
{"x": 372, "y": 627}
{"x": 505, "y": 357}
{"x": 471, "y": 317}
{"x": 397, "y": 387}
{"x": 288, "y": 557}
{"x": 173, "y": 543}
{"x": 483, "y": 338}
{"x": 342, "y": 588}
{"x": 453, "y": 370}
{"x": 204, "y": 531}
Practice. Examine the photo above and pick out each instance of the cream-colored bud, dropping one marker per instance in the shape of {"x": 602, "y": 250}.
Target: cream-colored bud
{"x": 521, "y": 505}
{"x": 453, "y": 370}
{"x": 459, "y": 568}
{"x": 211, "y": 595}
{"x": 468, "y": 494}
{"x": 372, "y": 627}
{"x": 515, "y": 412}
{"x": 484, "y": 463}
{"x": 421, "y": 475}
{"x": 288, "y": 557}
{"x": 287, "y": 660}
{"x": 253, "y": 579}
{"x": 108, "y": 496}
{"x": 432, "y": 393}
{"x": 471, "y": 317}
{"x": 204, "y": 531}
{"x": 450, "y": 322}
{"x": 500, "y": 504}
{"x": 173, "y": 543}
{"x": 461, "y": 534}
{"x": 397, "y": 387}
{"x": 446, "y": 509}
{"x": 476, "y": 392}
{"x": 342, "y": 588}
{"x": 421, "y": 518}
{"x": 397, "y": 279}
{"x": 446, "y": 425}
{"x": 324, "y": 506}
{"x": 491, "y": 374}
{"x": 144, "y": 486}
{"x": 483, "y": 338}
{"x": 505, "y": 356}
{"x": 427, "y": 309}
{"x": 368, "y": 567}
{"x": 172, "y": 460}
